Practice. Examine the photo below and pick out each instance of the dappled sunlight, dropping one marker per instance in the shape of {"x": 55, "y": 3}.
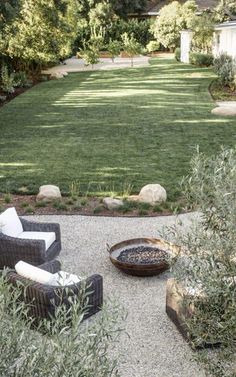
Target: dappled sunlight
{"x": 52, "y": 126}
{"x": 17, "y": 164}
{"x": 98, "y": 127}
{"x": 199, "y": 121}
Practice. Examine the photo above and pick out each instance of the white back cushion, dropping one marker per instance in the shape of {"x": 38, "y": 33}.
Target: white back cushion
{"x": 48, "y": 237}
{"x": 37, "y": 275}
{"x": 10, "y": 224}
{"x": 34, "y": 273}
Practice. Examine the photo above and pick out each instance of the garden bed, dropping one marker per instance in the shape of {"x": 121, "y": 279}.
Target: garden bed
{"x": 67, "y": 205}
{"x": 220, "y": 93}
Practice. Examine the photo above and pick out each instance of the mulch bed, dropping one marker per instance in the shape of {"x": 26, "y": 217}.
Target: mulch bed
{"x": 220, "y": 93}
{"x": 27, "y": 205}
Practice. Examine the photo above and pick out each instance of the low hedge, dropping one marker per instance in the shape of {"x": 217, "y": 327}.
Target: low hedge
{"x": 177, "y": 54}
{"x": 200, "y": 59}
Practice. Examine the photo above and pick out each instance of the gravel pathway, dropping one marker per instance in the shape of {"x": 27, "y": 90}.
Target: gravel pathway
{"x": 155, "y": 348}
{"x": 77, "y": 65}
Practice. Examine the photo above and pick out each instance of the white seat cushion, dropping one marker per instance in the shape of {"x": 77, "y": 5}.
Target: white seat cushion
{"x": 34, "y": 273}
{"x": 48, "y": 237}
{"x": 63, "y": 278}
{"x": 10, "y": 224}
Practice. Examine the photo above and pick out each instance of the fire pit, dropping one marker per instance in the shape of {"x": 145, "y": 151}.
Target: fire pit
{"x": 142, "y": 256}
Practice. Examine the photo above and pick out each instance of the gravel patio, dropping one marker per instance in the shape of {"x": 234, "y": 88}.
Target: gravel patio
{"x": 154, "y": 347}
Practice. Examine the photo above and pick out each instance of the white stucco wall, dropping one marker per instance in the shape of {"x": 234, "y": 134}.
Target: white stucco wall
{"x": 185, "y": 45}
{"x": 225, "y": 40}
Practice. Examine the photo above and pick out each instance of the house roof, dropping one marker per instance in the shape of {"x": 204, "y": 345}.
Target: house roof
{"x": 154, "y": 6}
{"x": 226, "y": 25}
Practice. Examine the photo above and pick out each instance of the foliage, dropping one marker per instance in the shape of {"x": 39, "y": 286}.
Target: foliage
{"x": 123, "y": 8}
{"x": 203, "y": 29}
{"x": 28, "y": 45}
{"x": 200, "y": 59}
{"x": 225, "y": 68}
{"x": 114, "y": 48}
{"x": 90, "y": 55}
{"x": 21, "y": 80}
{"x": 100, "y": 18}
{"x": 153, "y": 46}
{"x": 131, "y": 46}
{"x": 225, "y": 11}
{"x": 140, "y": 30}
{"x": 210, "y": 253}
{"x": 173, "y": 18}
{"x": 7, "y": 80}
{"x": 68, "y": 349}
{"x": 177, "y": 54}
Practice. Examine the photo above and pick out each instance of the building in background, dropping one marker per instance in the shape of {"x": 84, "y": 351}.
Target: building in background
{"x": 153, "y": 7}
{"x": 225, "y": 39}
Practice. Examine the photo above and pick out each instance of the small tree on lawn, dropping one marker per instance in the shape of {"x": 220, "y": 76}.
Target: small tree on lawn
{"x": 114, "y": 49}
{"x": 90, "y": 55}
{"x": 131, "y": 46}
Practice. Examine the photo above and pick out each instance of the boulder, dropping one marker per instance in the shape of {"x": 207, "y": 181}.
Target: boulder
{"x": 153, "y": 193}
{"x": 111, "y": 203}
{"x": 225, "y": 108}
{"x": 224, "y": 111}
{"x": 49, "y": 193}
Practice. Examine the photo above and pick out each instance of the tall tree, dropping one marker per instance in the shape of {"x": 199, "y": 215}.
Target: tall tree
{"x": 226, "y": 10}
{"x": 43, "y": 32}
{"x": 173, "y": 18}
{"x": 203, "y": 29}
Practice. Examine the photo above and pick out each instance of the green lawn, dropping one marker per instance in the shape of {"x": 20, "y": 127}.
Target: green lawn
{"x": 107, "y": 129}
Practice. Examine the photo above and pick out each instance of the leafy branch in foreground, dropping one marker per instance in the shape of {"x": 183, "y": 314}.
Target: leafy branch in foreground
{"x": 208, "y": 262}
{"x": 56, "y": 348}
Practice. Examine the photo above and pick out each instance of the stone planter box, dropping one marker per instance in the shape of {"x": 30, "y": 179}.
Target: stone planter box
{"x": 178, "y": 310}
{"x": 175, "y": 308}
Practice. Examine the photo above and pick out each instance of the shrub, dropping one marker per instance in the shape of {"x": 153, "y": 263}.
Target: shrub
{"x": 153, "y": 46}
{"x": 209, "y": 258}
{"x": 139, "y": 29}
{"x": 63, "y": 349}
{"x": 200, "y": 59}
{"x": 177, "y": 54}
{"x": 7, "y": 80}
{"x": 3, "y": 98}
{"x": 21, "y": 80}
{"x": 224, "y": 67}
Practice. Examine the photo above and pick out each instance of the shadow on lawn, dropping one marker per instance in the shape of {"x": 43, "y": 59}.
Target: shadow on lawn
{"x": 104, "y": 128}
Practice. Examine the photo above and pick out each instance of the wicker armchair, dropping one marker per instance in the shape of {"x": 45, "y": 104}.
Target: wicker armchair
{"x": 32, "y": 251}
{"x": 44, "y": 299}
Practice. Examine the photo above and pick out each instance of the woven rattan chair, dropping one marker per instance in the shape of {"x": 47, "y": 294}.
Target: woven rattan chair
{"x": 32, "y": 251}
{"x": 44, "y": 299}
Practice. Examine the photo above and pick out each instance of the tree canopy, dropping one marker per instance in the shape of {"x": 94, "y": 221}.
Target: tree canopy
{"x": 226, "y": 10}
{"x": 173, "y": 18}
